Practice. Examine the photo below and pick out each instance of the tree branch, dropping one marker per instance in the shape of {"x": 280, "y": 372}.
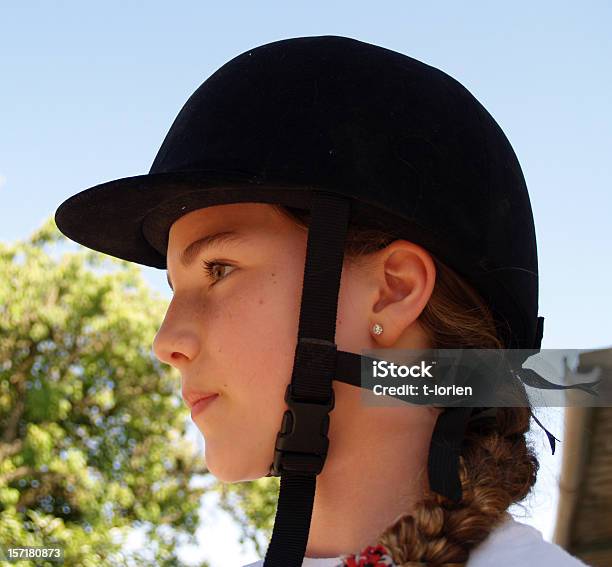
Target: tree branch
{"x": 16, "y": 473}
{"x": 9, "y": 449}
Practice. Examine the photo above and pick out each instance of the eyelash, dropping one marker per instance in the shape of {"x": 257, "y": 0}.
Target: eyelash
{"x": 208, "y": 266}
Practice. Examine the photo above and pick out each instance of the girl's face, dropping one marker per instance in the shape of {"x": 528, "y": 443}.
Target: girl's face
{"x": 233, "y": 331}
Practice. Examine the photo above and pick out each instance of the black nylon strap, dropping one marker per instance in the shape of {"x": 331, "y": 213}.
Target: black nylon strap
{"x": 292, "y": 522}
{"x": 311, "y": 382}
{"x": 444, "y": 451}
{"x": 537, "y": 343}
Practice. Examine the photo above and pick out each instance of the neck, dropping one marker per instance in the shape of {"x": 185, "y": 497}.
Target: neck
{"x": 375, "y": 471}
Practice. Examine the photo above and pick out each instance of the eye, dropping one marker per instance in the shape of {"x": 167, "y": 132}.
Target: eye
{"x": 210, "y": 269}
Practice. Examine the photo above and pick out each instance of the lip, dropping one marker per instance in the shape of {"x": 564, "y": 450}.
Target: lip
{"x": 201, "y": 404}
{"x": 191, "y": 395}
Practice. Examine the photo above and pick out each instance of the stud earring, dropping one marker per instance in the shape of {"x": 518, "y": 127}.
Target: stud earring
{"x": 377, "y": 329}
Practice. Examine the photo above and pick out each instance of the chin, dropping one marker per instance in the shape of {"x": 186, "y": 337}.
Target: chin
{"x": 232, "y": 468}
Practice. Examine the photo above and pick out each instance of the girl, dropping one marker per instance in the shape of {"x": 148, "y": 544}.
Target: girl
{"x": 350, "y": 197}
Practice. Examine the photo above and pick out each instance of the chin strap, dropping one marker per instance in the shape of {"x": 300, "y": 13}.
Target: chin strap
{"x": 301, "y": 445}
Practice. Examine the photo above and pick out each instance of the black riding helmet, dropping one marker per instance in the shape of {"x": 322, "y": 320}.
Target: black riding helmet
{"x": 348, "y": 131}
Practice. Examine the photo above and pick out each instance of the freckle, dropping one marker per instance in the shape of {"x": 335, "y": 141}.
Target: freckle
{"x": 261, "y": 301}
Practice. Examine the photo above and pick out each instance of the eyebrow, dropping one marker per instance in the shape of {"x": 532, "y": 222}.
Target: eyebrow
{"x": 192, "y": 251}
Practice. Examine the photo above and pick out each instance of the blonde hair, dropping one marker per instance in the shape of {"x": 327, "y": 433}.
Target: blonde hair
{"x": 497, "y": 466}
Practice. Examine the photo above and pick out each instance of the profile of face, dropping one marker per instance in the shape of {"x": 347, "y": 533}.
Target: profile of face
{"x": 231, "y": 327}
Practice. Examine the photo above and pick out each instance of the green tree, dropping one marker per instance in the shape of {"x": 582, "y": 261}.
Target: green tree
{"x": 91, "y": 423}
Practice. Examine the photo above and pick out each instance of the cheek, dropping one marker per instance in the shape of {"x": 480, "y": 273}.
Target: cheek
{"x": 254, "y": 334}
{"x": 252, "y": 344}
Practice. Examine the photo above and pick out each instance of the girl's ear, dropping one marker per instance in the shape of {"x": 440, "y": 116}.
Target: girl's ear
{"x": 402, "y": 277}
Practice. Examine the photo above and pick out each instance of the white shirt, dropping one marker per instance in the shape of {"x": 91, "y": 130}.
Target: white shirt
{"x": 510, "y": 544}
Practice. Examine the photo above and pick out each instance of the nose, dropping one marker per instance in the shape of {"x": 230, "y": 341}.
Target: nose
{"x": 175, "y": 346}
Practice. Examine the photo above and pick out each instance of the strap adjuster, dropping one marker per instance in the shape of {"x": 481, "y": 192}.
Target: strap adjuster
{"x": 302, "y": 442}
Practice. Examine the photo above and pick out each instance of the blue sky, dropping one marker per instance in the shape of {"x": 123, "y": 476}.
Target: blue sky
{"x": 88, "y": 91}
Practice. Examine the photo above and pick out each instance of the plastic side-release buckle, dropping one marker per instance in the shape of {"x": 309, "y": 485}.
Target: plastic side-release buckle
{"x": 302, "y": 442}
